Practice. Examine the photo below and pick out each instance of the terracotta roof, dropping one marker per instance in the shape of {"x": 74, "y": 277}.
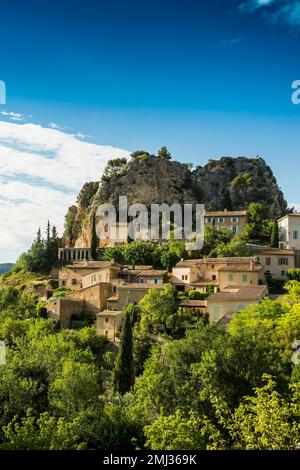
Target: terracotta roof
{"x": 92, "y": 264}
{"x": 275, "y": 251}
{"x": 152, "y": 272}
{"x": 242, "y": 268}
{"x": 239, "y": 293}
{"x": 225, "y": 213}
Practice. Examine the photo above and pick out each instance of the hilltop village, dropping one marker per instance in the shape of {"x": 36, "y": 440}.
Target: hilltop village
{"x": 225, "y": 284}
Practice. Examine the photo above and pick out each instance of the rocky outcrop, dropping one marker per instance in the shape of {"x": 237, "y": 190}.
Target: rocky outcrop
{"x": 149, "y": 179}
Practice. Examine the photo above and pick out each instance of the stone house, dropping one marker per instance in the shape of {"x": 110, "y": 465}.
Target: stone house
{"x": 198, "y": 274}
{"x": 109, "y": 324}
{"x": 234, "y": 221}
{"x": 233, "y": 299}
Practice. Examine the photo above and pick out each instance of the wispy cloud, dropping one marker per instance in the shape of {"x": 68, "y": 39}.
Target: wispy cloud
{"x": 13, "y": 116}
{"x": 281, "y": 11}
{"x": 252, "y": 5}
{"x": 42, "y": 170}
{"x": 289, "y": 13}
{"x": 230, "y": 42}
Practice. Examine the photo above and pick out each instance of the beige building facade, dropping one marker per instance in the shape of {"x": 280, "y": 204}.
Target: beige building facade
{"x": 216, "y": 272}
{"x": 233, "y": 299}
{"x": 234, "y": 221}
{"x": 109, "y": 324}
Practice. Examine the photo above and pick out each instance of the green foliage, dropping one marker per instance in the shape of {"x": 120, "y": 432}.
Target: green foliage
{"x": 139, "y": 153}
{"x": 267, "y": 420}
{"x": 196, "y": 295}
{"x": 176, "y": 432}
{"x": 69, "y": 221}
{"x": 94, "y": 238}
{"x": 236, "y": 247}
{"x": 214, "y": 238}
{"x": 243, "y": 181}
{"x": 294, "y": 274}
{"x": 42, "y": 254}
{"x": 158, "y": 309}
{"x": 123, "y": 373}
{"x": 116, "y": 167}
{"x": 60, "y": 292}
{"x": 275, "y": 235}
{"x": 164, "y": 154}
{"x": 160, "y": 255}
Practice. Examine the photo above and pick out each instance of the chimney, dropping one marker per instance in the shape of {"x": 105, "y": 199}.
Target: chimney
{"x": 251, "y": 264}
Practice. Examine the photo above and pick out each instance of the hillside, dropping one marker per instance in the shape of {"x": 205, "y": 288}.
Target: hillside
{"x": 149, "y": 179}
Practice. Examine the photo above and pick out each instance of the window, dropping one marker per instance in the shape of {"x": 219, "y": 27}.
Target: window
{"x": 106, "y": 319}
{"x": 230, "y": 277}
{"x": 106, "y": 333}
{"x": 216, "y": 311}
{"x": 234, "y": 220}
{"x": 221, "y": 220}
{"x": 208, "y": 220}
{"x": 234, "y": 229}
{"x": 114, "y": 288}
{"x": 184, "y": 277}
{"x": 156, "y": 281}
{"x": 283, "y": 261}
{"x": 74, "y": 282}
{"x": 268, "y": 261}
{"x": 214, "y": 277}
{"x": 295, "y": 234}
{"x": 282, "y": 273}
{"x": 244, "y": 277}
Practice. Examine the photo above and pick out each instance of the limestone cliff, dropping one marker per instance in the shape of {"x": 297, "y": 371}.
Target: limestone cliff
{"x": 148, "y": 179}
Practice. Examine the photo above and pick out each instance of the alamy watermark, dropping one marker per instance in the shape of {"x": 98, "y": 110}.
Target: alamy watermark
{"x": 2, "y": 92}
{"x": 296, "y": 93}
{"x": 161, "y": 222}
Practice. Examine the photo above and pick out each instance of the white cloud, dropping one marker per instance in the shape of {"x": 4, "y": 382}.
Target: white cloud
{"x": 42, "y": 171}
{"x": 13, "y": 116}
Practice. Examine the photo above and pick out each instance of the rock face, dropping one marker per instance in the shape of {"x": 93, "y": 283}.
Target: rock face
{"x": 149, "y": 180}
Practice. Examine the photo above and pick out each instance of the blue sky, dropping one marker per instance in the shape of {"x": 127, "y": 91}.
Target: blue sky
{"x": 206, "y": 78}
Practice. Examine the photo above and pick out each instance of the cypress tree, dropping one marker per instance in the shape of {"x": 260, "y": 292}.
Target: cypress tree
{"x": 227, "y": 201}
{"x": 94, "y": 240}
{"x": 275, "y": 235}
{"x": 123, "y": 373}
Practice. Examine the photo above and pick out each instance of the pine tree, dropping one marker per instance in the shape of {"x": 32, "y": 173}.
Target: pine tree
{"x": 94, "y": 239}
{"x": 123, "y": 373}
{"x": 164, "y": 154}
{"x": 275, "y": 235}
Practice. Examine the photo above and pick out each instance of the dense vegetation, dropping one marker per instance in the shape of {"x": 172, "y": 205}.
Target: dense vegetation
{"x": 175, "y": 382}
